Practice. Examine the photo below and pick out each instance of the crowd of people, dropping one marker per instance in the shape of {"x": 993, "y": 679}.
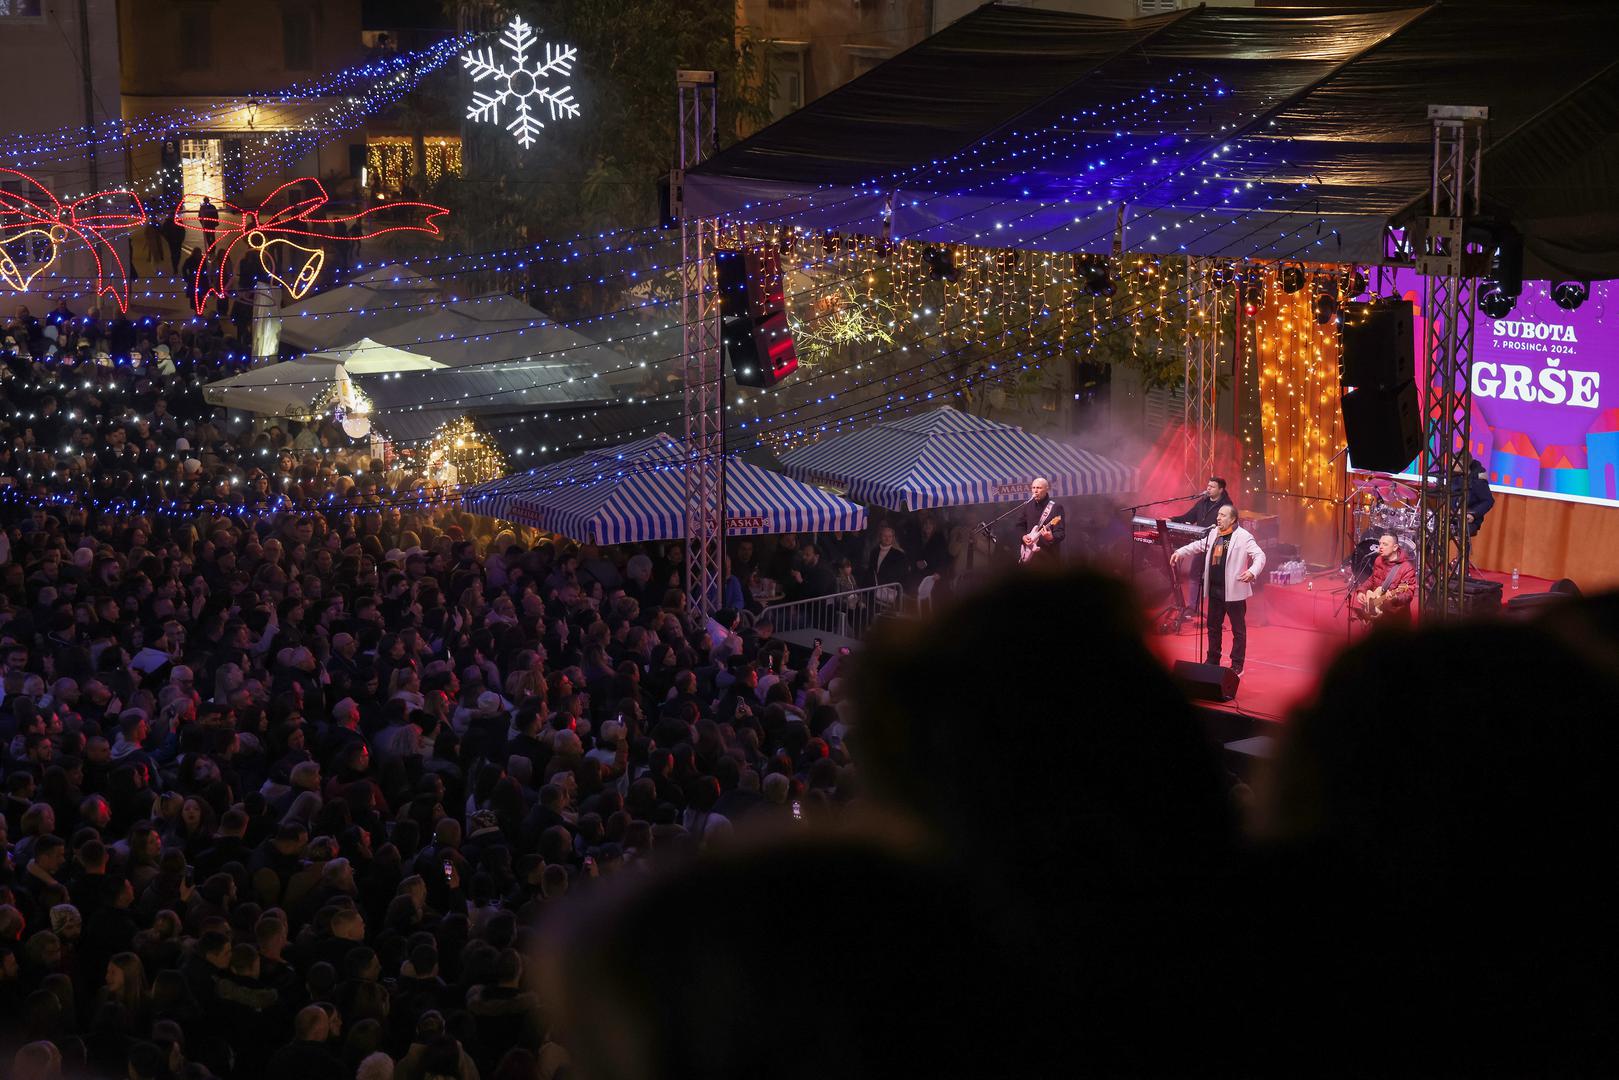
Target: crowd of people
{"x": 294, "y": 772}
{"x": 300, "y": 779}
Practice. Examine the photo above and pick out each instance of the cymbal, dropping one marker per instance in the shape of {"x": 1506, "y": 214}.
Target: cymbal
{"x": 1385, "y": 487}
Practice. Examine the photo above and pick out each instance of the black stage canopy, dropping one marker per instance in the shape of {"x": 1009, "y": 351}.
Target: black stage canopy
{"x": 1232, "y": 132}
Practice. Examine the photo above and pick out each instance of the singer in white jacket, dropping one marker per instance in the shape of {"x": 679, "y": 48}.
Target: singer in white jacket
{"x": 1231, "y": 562}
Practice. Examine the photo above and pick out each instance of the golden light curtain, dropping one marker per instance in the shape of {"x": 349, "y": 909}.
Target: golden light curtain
{"x": 1300, "y": 424}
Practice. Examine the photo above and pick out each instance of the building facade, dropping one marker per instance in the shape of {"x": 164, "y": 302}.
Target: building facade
{"x": 813, "y": 46}
{"x": 59, "y": 78}
{"x": 210, "y": 69}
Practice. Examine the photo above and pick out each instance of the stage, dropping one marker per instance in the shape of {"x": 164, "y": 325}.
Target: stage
{"x": 1294, "y": 631}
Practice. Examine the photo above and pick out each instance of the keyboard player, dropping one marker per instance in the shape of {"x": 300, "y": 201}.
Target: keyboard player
{"x": 1206, "y": 509}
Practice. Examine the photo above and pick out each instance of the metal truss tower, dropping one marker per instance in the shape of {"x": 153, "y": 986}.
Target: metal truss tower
{"x": 1202, "y": 359}
{"x": 1449, "y": 309}
{"x": 703, "y": 365}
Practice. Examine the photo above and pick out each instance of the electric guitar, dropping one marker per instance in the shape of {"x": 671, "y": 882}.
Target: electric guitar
{"x": 1031, "y": 540}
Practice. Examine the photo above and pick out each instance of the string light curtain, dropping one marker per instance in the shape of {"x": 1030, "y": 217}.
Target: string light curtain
{"x": 391, "y": 160}
{"x": 1300, "y": 424}
{"x": 459, "y": 454}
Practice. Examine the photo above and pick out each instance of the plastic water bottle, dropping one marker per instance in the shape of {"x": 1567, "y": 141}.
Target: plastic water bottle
{"x": 1514, "y": 579}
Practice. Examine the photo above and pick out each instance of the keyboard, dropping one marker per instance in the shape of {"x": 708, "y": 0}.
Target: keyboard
{"x": 1176, "y": 529}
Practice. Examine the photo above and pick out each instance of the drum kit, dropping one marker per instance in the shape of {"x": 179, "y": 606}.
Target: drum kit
{"x": 1378, "y": 504}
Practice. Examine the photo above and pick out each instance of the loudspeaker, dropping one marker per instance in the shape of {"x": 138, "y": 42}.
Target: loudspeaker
{"x": 753, "y": 317}
{"x": 667, "y": 218}
{"x": 1383, "y": 427}
{"x": 1481, "y": 596}
{"x": 1206, "y": 682}
{"x": 1378, "y": 349}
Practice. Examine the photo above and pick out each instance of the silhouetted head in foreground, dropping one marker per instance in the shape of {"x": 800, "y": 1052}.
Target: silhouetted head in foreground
{"x": 1031, "y": 727}
{"x": 1443, "y": 819}
{"x": 808, "y": 959}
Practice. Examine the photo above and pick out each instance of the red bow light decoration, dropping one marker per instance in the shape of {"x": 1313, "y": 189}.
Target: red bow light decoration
{"x": 267, "y": 231}
{"x": 41, "y": 215}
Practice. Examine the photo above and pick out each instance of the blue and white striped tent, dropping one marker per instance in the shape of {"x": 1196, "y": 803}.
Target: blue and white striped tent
{"x": 945, "y": 457}
{"x": 636, "y": 492}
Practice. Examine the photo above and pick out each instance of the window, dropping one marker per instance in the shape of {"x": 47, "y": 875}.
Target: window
{"x": 786, "y": 77}
{"x": 20, "y": 9}
{"x": 862, "y": 58}
{"x": 1156, "y": 7}
{"x": 202, "y": 167}
{"x": 196, "y": 38}
{"x": 297, "y": 40}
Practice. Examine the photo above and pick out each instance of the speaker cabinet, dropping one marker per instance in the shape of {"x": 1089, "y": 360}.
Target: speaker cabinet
{"x": 1206, "y": 682}
{"x": 1383, "y": 427}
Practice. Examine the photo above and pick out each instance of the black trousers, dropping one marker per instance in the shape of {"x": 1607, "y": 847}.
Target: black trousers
{"x": 1219, "y": 611}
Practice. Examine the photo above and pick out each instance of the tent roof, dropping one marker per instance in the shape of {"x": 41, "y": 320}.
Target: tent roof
{"x": 366, "y": 357}
{"x": 369, "y": 301}
{"x": 945, "y": 457}
{"x": 1236, "y": 132}
{"x": 496, "y": 330}
{"x": 287, "y": 388}
{"x": 635, "y": 492}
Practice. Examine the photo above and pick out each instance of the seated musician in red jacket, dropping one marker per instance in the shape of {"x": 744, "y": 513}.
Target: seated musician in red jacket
{"x": 1392, "y": 584}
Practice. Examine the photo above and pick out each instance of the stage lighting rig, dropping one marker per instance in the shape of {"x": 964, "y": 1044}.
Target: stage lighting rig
{"x": 1494, "y": 301}
{"x": 1569, "y": 295}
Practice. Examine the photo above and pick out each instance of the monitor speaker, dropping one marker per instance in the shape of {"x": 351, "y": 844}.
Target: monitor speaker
{"x": 1383, "y": 427}
{"x": 1206, "y": 682}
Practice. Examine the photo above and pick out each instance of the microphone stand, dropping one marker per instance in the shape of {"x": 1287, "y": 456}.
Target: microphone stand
{"x": 1159, "y": 502}
{"x": 1180, "y": 611}
{"x": 1203, "y": 597}
{"x": 987, "y": 528}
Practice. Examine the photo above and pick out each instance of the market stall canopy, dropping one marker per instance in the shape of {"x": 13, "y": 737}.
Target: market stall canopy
{"x": 411, "y": 409}
{"x": 1263, "y": 132}
{"x": 499, "y": 329}
{"x": 635, "y": 492}
{"x": 298, "y": 388}
{"x": 367, "y": 357}
{"x": 946, "y": 457}
{"x": 372, "y": 300}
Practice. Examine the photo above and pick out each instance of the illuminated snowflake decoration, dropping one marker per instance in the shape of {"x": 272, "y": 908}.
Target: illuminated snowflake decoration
{"x": 519, "y": 85}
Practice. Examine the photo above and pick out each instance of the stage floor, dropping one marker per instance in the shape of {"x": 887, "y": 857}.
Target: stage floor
{"x": 1294, "y": 631}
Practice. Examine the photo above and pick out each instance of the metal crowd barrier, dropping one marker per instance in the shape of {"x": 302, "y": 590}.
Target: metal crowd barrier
{"x": 845, "y": 614}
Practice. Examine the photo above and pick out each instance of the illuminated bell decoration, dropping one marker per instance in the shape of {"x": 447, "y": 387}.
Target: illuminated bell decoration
{"x": 276, "y": 252}
{"x": 12, "y": 274}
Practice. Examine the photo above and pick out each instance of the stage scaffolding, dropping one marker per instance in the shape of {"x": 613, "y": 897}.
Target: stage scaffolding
{"x": 1450, "y": 276}
{"x": 1199, "y": 419}
{"x": 702, "y": 366}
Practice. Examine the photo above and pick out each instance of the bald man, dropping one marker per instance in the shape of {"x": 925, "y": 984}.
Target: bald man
{"x": 1041, "y": 525}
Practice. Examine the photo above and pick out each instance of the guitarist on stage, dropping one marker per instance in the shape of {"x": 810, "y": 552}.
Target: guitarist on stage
{"x": 1041, "y": 525}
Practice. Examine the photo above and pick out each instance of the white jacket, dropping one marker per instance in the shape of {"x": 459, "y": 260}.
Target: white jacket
{"x": 1241, "y": 553}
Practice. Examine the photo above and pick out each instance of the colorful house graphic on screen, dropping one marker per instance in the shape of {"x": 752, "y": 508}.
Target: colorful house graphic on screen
{"x": 1562, "y": 469}
{"x": 1602, "y": 455}
{"x": 1481, "y": 440}
{"x": 1515, "y": 463}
